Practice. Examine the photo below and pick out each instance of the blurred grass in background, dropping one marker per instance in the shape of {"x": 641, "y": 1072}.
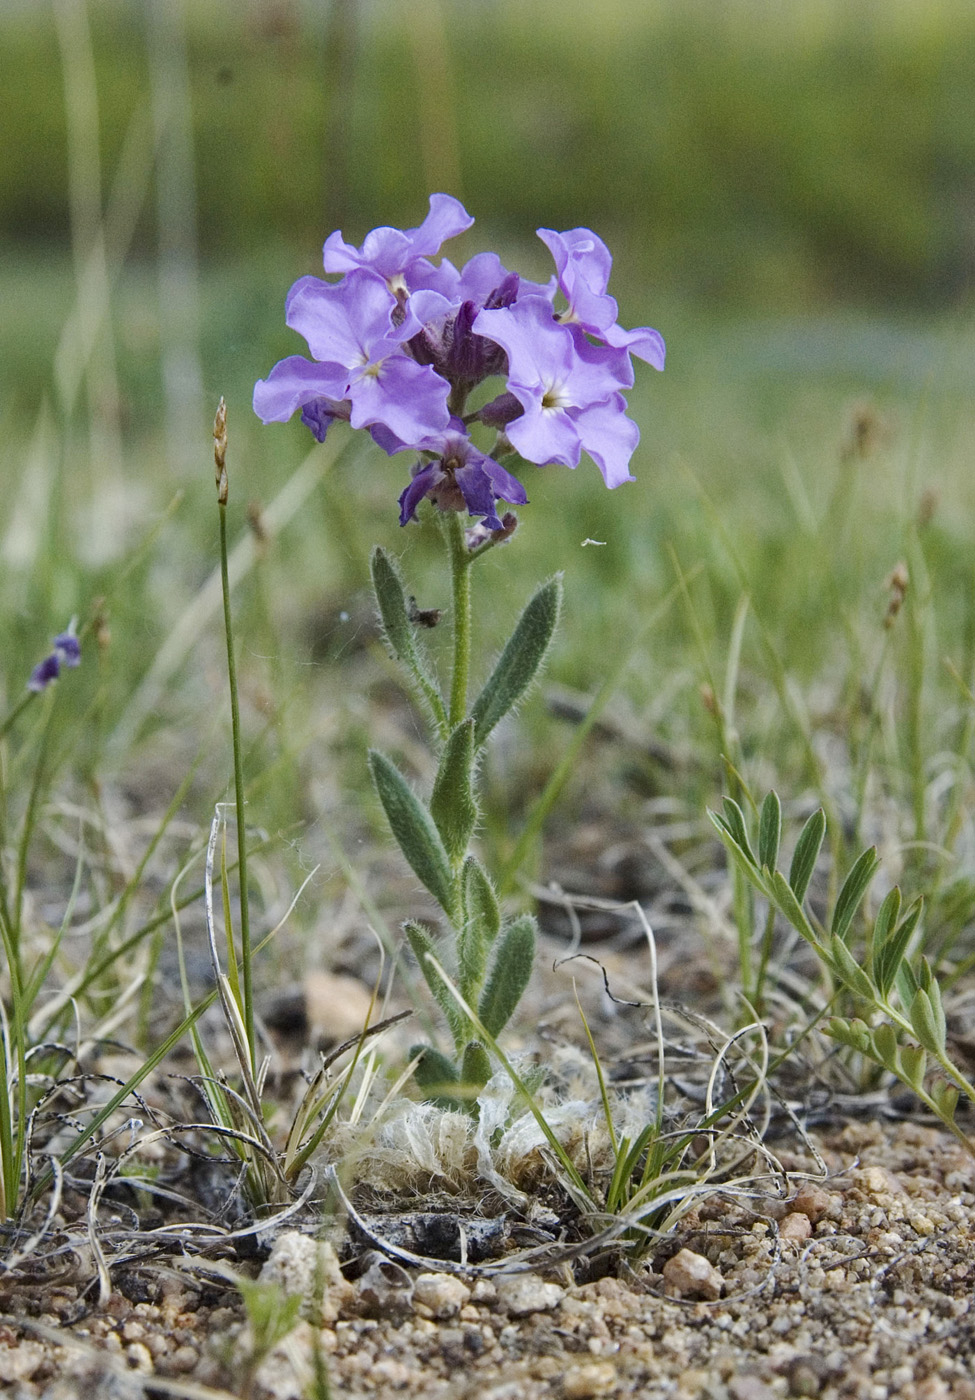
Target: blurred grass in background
{"x": 788, "y": 191}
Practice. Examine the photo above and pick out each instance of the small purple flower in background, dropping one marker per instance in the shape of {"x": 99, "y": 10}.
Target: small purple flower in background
{"x": 67, "y": 652}
{"x": 399, "y": 343}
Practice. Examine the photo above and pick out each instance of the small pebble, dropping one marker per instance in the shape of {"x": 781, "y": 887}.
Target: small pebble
{"x": 582, "y": 1382}
{"x": 527, "y": 1293}
{"x": 812, "y": 1201}
{"x": 690, "y": 1275}
{"x": 795, "y": 1226}
{"x": 443, "y": 1294}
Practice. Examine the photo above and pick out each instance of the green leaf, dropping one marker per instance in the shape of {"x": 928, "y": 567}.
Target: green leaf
{"x": 945, "y": 1099}
{"x": 855, "y": 1034}
{"x": 927, "y": 1025}
{"x": 510, "y": 973}
{"x": 849, "y": 970}
{"x": 886, "y": 1046}
{"x": 913, "y": 1063}
{"x": 476, "y": 1068}
{"x": 415, "y": 832}
{"x": 452, "y": 803}
{"x": 769, "y": 831}
{"x": 424, "y": 949}
{"x": 787, "y": 904}
{"x": 520, "y": 661}
{"x": 745, "y": 862}
{"x": 734, "y": 821}
{"x": 889, "y": 957}
{"x": 482, "y": 923}
{"x": 807, "y": 853}
{"x": 436, "y": 1075}
{"x": 854, "y": 888}
{"x": 905, "y": 982}
{"x": 400, "y": 631}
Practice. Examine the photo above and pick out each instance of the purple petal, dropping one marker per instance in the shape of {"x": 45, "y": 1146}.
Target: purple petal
{"x": 293, "y": 383}
{"x": 408, "y": 399}
{"x": 646, "y": 343}
{"x": 506, "y": 487}
{"x": 475, "y": 486}
{"x": 544, "y": 435}
{"x": 609, "y": 437}
{"x": 389, "y": 252}
{"x": 68, "y": 648}
{"x": 349, "y": 322}
{"x": 416, "y": 490}
{"x": 44, "y": 673}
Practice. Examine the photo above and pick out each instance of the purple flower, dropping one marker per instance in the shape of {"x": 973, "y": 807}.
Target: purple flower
{"x": 391, "y": 253}
{"x": 67, "y": 652}
{"x": 355, "y": 329}
{"x": 583, "y": 263}
{"x": 460, "y": 477}
{"x": 567, "y": 387}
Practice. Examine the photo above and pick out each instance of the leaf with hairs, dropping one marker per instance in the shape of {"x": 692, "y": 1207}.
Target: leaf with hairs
{"x": 519, "y": 663}
{"x": 476, "y": 1066}
{"x": 400, "y": 631}
{"x": 854, "y": 888}
{"x": 414, "y": 829}
{"x": 452, "y": 803}
{"x": 849, "y": 970}
{"x": 806, "y": 853}
{"x": 889, "y": 954}
{"x": 481, "y": 925}
{"x": 886, "y": 1046}
{"x": 913, "y": 1064}
{"x": 926, "y": 1023}
{"x": 425, "y": 950}
{"x": 769, "y": 831}
{"x": 510, "y": 972}
{"x": 855, "y": 1034}
{"x": 734, "y": 819}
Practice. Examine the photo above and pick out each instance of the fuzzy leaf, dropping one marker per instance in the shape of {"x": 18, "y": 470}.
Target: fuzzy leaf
{"x": 849, "y": 970}
{"x": 745, "y": 862}
{"x": 886, "y": 1046}
{"x": 734, "y": 821}
{"x": 807, "y": 853}
{"x": 788, "y": 904}
{"x": 476, "y": 1068}
{"x": 888, "y": 957}
{"x": 945, "y": 1097}
{"x": 436, "y": 1075}
{"x": 913, "y": 1064}
{"x": 423, "y": 946}
{"x": 510, "y": 972}
{"x": 482, "y": 923}
{"x": 415, "y": 832}
{"x": 855, "y": 1034}
{"x": 400, "y": 631}
{"x": 519, "y": 663}
{"x": 905, "y": 982}
{"x": 769, "y": 831}
{"x": 926, "y": 1023}
{"x": 854, "y": 888}
{"x": 452, "y": 803}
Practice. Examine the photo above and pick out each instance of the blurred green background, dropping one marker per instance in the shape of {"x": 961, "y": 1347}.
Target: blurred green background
{"x": 789, "y": 193}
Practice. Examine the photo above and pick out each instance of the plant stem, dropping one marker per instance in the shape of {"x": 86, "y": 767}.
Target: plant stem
{"x": 245, "y": 928}
{"x": 460, "y": 578}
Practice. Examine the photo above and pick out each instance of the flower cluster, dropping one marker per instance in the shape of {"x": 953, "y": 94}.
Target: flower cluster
{"x": 399, "y": 344}
{"x": 67, "y": 652}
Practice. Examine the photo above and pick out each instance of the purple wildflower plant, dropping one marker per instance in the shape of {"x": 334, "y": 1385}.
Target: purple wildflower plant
{"x": 67, "y": 652}
{"x": 399, "y": 343}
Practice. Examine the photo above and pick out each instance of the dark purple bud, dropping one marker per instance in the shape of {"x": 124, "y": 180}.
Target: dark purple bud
{"x": 44, "y": 673}
{"x": 501, "y": 411}
{"x": 505, "y": 294}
